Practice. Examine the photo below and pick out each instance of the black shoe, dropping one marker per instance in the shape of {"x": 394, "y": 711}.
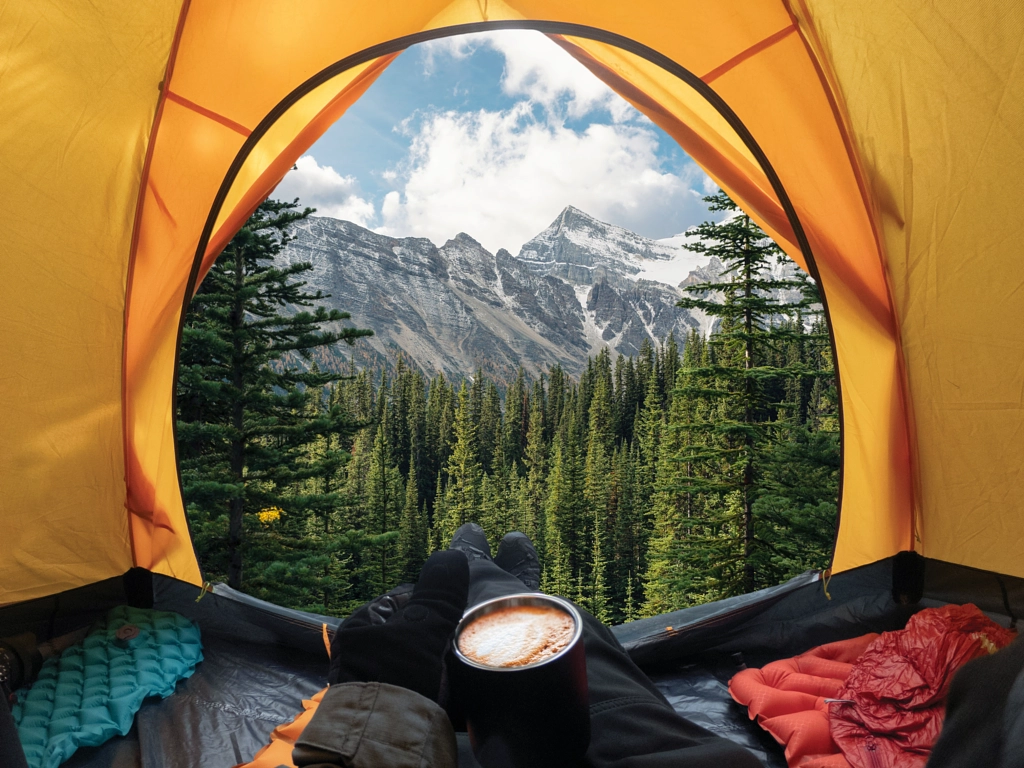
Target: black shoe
{"x": 470, "y": 539}
{"x": 518, "y": 556}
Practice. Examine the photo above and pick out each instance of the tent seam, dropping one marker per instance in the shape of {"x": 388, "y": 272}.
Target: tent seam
{"x": 227, "y": 122}
{"x": 749, "y": 53}
{"x": 827, "y": 79}
{"x": 132, "y": 254}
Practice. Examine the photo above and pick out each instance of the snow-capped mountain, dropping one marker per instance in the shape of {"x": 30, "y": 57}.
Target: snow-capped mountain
{"x": 576, "y": 287}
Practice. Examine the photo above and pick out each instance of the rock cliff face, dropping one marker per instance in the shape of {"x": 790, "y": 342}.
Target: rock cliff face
{"x": 575, "y": 288}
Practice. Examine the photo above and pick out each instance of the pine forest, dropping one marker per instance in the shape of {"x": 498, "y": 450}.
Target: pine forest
{"x": 698, "y": 469}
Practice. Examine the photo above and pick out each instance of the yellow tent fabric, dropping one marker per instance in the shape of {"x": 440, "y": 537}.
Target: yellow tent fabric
{"x": 881, "y": 143}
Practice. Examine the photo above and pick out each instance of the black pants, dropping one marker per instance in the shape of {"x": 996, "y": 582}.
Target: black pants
{"x": 632, "y": 725}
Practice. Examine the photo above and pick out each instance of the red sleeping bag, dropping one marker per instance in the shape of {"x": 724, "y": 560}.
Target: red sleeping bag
{"x": 890, "y": 688}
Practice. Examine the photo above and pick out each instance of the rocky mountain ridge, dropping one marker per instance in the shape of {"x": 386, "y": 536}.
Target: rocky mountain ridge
{"x": 574, "y": 288}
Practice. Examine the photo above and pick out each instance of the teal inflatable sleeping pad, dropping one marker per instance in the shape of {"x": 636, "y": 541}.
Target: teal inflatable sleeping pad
{"x": 92, "y": 691}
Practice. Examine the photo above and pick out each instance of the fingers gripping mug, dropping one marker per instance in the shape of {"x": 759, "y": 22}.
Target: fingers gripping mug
{"x": 522, "y": 681}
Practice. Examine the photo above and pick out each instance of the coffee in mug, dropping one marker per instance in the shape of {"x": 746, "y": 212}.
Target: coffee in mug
{"x": 516, "y": 636}
{"x": 522, "y": 682}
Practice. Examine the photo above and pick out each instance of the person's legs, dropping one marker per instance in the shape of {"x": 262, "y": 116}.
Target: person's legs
{"x": 487, "y": 581}
{"x": 632, "y": 724}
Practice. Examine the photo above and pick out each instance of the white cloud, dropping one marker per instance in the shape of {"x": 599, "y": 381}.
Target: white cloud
{"x": 328, "y": 191}
{"x": 538, "y": 70}
{"x": 503, "y": 176}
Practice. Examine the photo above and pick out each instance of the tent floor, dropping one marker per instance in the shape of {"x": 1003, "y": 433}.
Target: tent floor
{"x": 262, "y": 660}
{"x": 240, "y": 692}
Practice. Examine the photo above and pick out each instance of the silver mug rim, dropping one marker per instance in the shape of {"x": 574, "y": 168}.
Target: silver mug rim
{"x": 522, "y": 598}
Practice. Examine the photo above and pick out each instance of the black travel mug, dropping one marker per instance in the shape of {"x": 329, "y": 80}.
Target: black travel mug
{"x": 530, "y": 716}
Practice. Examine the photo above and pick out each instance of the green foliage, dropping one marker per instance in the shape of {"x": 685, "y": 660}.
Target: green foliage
{"x": 247, "y": 414}
{"x": 725, "y": 522}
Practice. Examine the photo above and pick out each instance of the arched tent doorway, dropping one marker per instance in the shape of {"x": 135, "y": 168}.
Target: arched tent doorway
{"x": 697, "y": 116}
{"x": 123, "y": 131}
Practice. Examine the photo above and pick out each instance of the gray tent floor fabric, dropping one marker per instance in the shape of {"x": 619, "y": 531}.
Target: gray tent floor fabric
{"x": 700, "y": 693}
{"x": 262, "y": 660}
{"x": 220, "y": 716}
{"x": 226, "y": 711}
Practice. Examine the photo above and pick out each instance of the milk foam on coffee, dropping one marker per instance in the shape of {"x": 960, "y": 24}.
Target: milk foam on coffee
{"x": 516, "y": 636}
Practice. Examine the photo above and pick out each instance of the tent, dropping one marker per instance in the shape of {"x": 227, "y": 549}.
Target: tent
{"x": 880, "y": 143}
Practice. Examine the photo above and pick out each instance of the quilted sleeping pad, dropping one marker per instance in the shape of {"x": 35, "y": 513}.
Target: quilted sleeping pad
{"x": 92, "y": 691}
{"x": 789, "y": 699}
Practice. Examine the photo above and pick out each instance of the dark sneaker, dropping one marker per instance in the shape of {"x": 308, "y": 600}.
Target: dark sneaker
{"x": 470, "y": 539}
{"x": 518, "y": 556}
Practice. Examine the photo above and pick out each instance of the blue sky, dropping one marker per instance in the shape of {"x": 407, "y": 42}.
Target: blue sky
{"x": 494, "y": 135}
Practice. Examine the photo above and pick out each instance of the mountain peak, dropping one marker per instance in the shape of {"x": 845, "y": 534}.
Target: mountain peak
{"x": 463, "y": 239}
{"x": 573, "y": 218}
{"x": 579, "y": 247}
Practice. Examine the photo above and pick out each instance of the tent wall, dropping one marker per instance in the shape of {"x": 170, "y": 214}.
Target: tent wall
{"x": 934, "y": 98}
{"x": 774, "y": 90}
{"x": 136, "y": 140}
{"x": 77, "y": 97}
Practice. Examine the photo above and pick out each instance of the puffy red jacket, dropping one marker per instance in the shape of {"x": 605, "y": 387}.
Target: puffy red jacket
{"x": 896, "y": 690}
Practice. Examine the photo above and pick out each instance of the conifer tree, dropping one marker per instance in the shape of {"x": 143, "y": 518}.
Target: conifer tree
{"x": 673, "y": 579}
{"x": 438, "y": 437}
{"x": 462, "y": 494}
{"x": 535, "y": 487}
{"x": 739, "y": 432}
{"x": 499, "y": 512}
{"x": 630, "y": 535}
{"x": 516, "y": 417}
{"x": 489, "y": 428}
{"x": 412, "y": 532}
{"x": 560, "y": 514}
{"x": 566, "y": 544}
{"x": 310, "y": 561}
{"x": 418, "y": 459}
{"x": 242, "y": 390}
{"x": 400, "y": 403}
{"x": 384, "y": 502}
{"x": 555, "y": 400}
{"x": 597, "y": 495}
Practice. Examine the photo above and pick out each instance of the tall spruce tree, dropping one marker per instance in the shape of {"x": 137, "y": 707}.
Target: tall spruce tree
{"x": 516, "y": 421}
{"x": 597, "y": 493}
{"x": 412, "y": 532}
{"x": 385, "y": 496}
{"x": 736, "y": 435}
{"x": 243, "y": 390}
{"x": 535, "y": 487}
